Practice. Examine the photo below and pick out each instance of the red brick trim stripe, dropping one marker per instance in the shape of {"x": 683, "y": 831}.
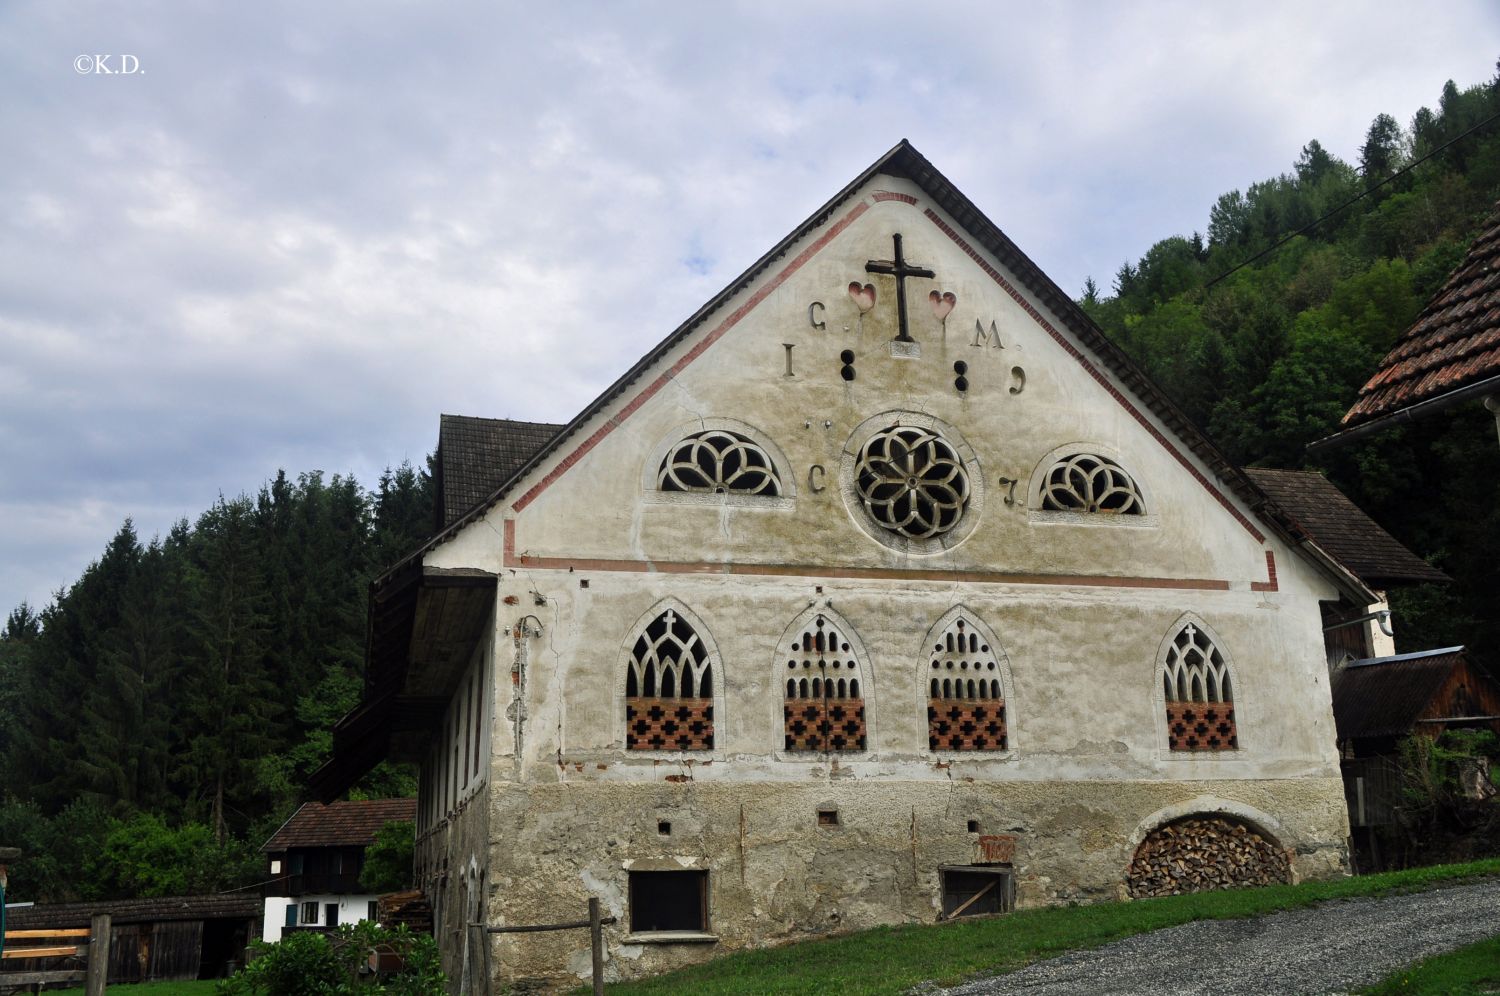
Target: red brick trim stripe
{"x": 1270, "y": 584}
{"x": 729, "y": 322}
{"x": 890, "y": 195}
{"x": 511, "y": 559}
{"x": 1093, "y": 371}
{"x": 848, "y": 573}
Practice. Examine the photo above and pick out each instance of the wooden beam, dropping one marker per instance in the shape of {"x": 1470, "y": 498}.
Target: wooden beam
{"x": 50, "y": 952}
{"x": 973, "y": 899}
{"x": 9, "y": 979}
{"x": 98, "y": 970}
{"x": 11, "y": 935}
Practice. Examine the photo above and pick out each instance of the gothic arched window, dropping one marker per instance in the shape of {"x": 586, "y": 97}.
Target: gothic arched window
{"x": 1087, "y": 482}
{"x": 717, "y": 461}
{"x": 825, "y": 705}
{"x": 669, "y": 702}
{"x": 1199, "y": 693}
{"x": 966, "y": 694}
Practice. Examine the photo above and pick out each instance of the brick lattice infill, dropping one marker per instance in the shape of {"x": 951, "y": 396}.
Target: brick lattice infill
{"x": 832, "y": 724}
{"x": 1201, "y": 726}
{"x": 669, "y": 724}
{"x": 965, "y": 725}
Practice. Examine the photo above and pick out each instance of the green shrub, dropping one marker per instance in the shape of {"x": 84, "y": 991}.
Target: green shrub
{"x": 309, "y": 963}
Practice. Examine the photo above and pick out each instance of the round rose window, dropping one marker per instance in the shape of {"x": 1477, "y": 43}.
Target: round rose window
{"x": 912, "y": 481}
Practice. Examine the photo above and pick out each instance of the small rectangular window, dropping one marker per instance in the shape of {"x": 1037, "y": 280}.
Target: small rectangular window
{"x": 668, "y": 901}
{"x": 976, "y": 891}
{"x": 331, "y": 919}
{"x": 310, "y": 913}
{"x": 372, "y": 913}
{"x": 291, "y": 914}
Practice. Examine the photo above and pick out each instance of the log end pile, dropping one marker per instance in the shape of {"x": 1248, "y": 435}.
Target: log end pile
{"x": 409, "y": 908}
{"x": 1203, "y": 853}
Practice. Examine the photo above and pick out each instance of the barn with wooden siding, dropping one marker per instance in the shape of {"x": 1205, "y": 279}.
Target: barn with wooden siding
{"x": 175, "y": 938}
{"x": 1379, "y": 702}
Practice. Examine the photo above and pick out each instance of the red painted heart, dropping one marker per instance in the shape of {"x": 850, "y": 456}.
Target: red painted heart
{"x": 863, "y": 295}
{"x": 942, "y": 304}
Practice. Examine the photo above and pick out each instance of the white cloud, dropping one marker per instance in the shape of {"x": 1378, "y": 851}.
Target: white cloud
{"x": 306, "y": 230}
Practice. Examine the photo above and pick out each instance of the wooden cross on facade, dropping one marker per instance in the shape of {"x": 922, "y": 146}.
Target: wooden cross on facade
{"x": 901, "y": 269}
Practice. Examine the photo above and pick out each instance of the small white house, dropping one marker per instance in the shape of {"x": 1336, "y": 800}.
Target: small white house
{"x": 315, "y": 861}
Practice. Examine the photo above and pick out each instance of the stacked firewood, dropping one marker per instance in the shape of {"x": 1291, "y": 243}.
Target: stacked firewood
{"x": 1200, "y": 854}
{"x": 409, "y": 908}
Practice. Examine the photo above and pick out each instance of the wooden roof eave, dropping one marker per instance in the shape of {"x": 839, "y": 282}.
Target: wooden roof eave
{"x": 1346, "y": 581}
{"x": 423, "y": 628}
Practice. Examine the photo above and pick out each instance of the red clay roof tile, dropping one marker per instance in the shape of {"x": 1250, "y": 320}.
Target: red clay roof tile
{"x": 340, "y": 824}
{"x": 1453, "y": 343}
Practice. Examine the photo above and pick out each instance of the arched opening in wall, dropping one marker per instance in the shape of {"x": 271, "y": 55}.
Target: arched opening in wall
{"x": 1201, "y": 853}
{"x": 1199, "y": 692}
{"x": 966, "y": 693}
{"x": 824, "y": 708}
{"x": 669, "y": 702}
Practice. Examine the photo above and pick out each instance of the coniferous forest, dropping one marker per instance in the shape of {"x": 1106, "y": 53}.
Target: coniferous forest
{"x": 163, "y": 712}
{"x": 1268, "y": 358}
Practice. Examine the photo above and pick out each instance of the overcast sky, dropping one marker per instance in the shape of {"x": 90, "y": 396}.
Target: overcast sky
{"x": 296, "y": 233}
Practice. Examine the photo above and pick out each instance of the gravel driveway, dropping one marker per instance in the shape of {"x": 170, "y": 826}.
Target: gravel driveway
{"x": 1332, "y": 948}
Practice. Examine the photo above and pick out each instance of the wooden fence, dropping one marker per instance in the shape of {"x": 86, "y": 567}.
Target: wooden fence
{"x": 52, "y": 956}
{"x": 595, "y": 923}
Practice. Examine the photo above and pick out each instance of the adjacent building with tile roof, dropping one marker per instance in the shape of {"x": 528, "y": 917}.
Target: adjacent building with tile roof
{"x": 884, "y": 583}
{"x": 1342, "y": 530}
{"x": 1450, "y": 355}
{"x": 314, "y": 861}
{"x": 475, "y": 456}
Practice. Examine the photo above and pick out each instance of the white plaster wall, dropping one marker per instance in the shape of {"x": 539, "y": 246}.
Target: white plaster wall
{"x": 596, "y": 509}
{"x": 1081, "y": 608}
{"x": 352, "y": 909}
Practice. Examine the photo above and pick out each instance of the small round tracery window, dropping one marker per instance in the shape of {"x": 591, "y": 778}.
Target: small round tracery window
{"x": 717, "y": 461}
{"x": 1086, "y": 482}
{"x": 912, "y": 481}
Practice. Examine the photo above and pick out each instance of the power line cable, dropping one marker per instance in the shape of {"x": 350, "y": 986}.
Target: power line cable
{"x": 1357, "y": 197}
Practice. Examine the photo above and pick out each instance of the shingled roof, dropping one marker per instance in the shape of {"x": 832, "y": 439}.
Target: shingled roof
{"x": 476, "y": 456}
{"x": 1342, "y": 528}
{"x": 1454, "y": 344}
{"x": 57, "y": 916}
{"x": 1385, "y": 696}
{"x": 340, "y": 824}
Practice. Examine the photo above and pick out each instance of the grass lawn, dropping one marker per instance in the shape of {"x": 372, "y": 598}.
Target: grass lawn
{"x": 1471, "y": 970}
{"x": 158, "y": 989}
{"x": 893, "y": 959}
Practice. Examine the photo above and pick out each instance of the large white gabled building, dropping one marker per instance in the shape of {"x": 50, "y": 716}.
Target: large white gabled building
{"x": 883, "y": 589}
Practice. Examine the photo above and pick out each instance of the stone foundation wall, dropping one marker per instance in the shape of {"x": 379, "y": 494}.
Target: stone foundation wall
{"x": 450, "y": 861}
{"x": 776, "y": 872}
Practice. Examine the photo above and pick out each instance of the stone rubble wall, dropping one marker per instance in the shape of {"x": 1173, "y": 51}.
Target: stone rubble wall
{"x": 776, "y": 874}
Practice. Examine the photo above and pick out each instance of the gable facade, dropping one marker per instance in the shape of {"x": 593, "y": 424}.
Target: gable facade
{"x": 822, "y": 619}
